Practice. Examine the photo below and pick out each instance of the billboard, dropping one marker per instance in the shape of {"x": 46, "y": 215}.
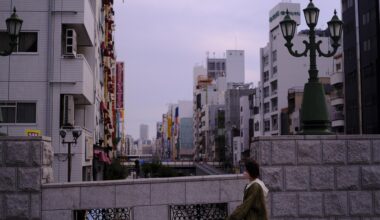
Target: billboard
{"x": 119, "y": 85}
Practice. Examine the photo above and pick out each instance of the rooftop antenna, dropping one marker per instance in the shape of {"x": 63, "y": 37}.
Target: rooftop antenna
{"x": 213, "y": 53}
{"x": 207, "y": 54}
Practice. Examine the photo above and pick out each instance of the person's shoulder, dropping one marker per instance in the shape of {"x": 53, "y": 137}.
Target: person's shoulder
{"x": 255, "y": 187}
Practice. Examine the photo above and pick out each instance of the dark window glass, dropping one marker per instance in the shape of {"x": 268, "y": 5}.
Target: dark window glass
{"x": 7, "y": 114}
{"x": 26, "y": 113}
{"x": 27, "y": 42}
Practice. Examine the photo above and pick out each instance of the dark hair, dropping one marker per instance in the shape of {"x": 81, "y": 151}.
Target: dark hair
{"x": 253, "y": 168}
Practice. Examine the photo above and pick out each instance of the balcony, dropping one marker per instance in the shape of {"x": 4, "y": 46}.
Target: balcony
{"x": 336, "y": 78}
{"x": 76, "y": 78}
{"x": 337, "y": 99}
{"x": 78, "y": 14}
{"x": 337, "y": 120}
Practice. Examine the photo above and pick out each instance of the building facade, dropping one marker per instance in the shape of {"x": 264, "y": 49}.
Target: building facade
{"x": 361, "y": 66}
{"x": 62, "y": 80}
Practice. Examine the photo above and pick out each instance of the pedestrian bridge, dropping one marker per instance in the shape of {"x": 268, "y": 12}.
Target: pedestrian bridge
{"x": 143, "y": 199}
{"x": 309, "y": 177}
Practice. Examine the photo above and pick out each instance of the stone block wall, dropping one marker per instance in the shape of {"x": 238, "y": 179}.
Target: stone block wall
{"x": 321, "y": 177}
{"x": 25, "y": 163}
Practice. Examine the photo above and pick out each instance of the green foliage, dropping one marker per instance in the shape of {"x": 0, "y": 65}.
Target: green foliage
{"x": 156, "y": 169}
{"x": 116, "y": 171}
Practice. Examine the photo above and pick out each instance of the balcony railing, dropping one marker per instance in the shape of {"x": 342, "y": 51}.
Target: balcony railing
{"x": 338, "y": 116}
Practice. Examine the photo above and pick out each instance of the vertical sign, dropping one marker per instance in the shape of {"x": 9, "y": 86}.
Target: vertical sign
{"x": 119, "y": 85}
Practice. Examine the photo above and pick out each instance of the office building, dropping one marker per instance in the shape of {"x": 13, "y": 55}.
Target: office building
{"x": 361, "y": 66}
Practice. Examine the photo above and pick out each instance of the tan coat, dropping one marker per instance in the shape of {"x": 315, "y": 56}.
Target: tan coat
{"x": 253, "y": 206}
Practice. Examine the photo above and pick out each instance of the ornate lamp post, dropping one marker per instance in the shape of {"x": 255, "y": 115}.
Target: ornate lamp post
{"x": 314, "y": 113}
{"x": 14, "y": 24}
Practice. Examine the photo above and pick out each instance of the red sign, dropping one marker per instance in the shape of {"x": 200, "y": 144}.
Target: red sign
{"x": 119, "y": 85}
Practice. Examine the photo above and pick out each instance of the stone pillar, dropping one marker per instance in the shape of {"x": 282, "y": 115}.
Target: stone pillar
{"x": 25, "y": 164}
{"x": 321, "y": 177}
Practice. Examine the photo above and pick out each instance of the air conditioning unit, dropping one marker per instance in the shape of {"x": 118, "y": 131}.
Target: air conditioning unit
{"x": 68, "y": 110}
{"x": 71, "y": 43}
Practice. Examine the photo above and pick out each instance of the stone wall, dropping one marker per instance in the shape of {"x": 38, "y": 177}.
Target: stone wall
{"x": 25, "y": 163}
{"x": 149, "y": 199}
{"x": 321, "y": 177}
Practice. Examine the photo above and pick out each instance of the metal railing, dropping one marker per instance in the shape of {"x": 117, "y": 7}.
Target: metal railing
{"x": 211, "y": 211}
{"x": 104, "y": 214}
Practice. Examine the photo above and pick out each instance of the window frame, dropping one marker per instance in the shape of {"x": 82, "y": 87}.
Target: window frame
{"x": 15, "y": 115}
{"x": 16, "y": 52}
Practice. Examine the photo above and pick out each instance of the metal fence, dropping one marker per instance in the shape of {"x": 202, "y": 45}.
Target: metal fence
{"x": 213, "y": 211}
{"x": 104, "y": 214}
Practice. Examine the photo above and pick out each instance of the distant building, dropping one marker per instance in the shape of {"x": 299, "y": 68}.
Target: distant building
{"x": 361, "y": 42}
{"x": 144, "y": 132}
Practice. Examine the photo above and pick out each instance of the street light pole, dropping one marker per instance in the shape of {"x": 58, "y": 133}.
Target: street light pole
{"x": 76, "y": 135}
{"x": 314, "y": 114}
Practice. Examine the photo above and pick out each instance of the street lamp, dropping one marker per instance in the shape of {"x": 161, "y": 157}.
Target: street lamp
{"x": 76, "y": 134}
{"x": 14, "y": 24}
{"x": 314, "y": 113}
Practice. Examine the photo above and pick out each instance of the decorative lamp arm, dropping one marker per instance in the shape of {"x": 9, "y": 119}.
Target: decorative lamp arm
{"x": 295, "y": 53}
{"x": 329, "y": 53}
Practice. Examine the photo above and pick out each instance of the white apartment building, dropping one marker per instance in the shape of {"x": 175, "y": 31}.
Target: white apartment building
{"x": 55, "y": 77}
{"x": 210, "y": 85}
{"x": 280, "y": 71}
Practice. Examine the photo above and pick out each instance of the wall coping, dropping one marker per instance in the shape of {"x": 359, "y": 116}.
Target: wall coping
{"x": 25, "y": 138}
{"x": 144, "y": 181}
{"x": 318, "y": 137}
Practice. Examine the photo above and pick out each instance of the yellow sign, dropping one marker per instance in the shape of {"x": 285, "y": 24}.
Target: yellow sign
{"x": 32, "y": 133}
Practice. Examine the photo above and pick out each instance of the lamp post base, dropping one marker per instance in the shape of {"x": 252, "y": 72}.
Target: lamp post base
{"x": 314, "y": 114}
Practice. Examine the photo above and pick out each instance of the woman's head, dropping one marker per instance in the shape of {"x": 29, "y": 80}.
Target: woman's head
{"x": 252, "y": 168}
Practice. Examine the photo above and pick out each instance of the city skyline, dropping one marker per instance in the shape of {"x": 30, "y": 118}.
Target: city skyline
{"x": 160, "y": 42}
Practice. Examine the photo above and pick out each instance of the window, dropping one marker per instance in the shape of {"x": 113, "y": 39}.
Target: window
{"x": 367, "y": 45}
{"x": 274, "y": 122}
{"x": 346, "y": 4}
{"x": 266, "y": 107}
{"x": 211, "y": 66}
{"x": 257, "y": 126}
{"x": 266, "y": 60}
{"x": 274, "y": 55}
{"x": 266, "y": 76}
{"x": 338, "y": 67}
{"x": 267, "y": 125}
{"x": 266, "y": 91}
{"x": 273, "y": 86}
{"x": 366, "y": 18}
{"x": 274, "y": 71}
{"x": 274, "y": 104}
{"x": 27, "y": 42}
{"x": 13, "y": 112}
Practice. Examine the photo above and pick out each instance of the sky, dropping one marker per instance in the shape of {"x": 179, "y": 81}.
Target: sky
{"x": 161, "y": 41}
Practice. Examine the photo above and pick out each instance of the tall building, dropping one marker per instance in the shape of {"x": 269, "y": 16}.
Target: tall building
{"x": 60, "y": 81}
{"x": 144, "y": 132}
{"x": 361, "y": 65}
{"x": 280, "y": 71}
{"x": 210, "y": 85}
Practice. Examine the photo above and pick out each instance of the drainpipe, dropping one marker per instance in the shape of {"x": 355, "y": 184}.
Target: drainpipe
{"x": 358, "y": 66}
{"x": 49, "y": 72}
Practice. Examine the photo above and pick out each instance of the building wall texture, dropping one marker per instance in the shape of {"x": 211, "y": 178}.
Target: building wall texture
{"x": 327, "y": 177}
{"x": 25, "y": 164}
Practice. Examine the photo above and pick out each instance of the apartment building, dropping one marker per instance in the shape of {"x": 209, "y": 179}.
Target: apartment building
{"x": 55, "y": 77}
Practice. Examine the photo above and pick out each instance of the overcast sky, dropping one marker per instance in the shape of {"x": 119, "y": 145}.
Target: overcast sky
{"x": 160, "y": 41}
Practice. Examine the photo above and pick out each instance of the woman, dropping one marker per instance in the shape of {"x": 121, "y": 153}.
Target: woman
{"x": 255, "y": 193}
